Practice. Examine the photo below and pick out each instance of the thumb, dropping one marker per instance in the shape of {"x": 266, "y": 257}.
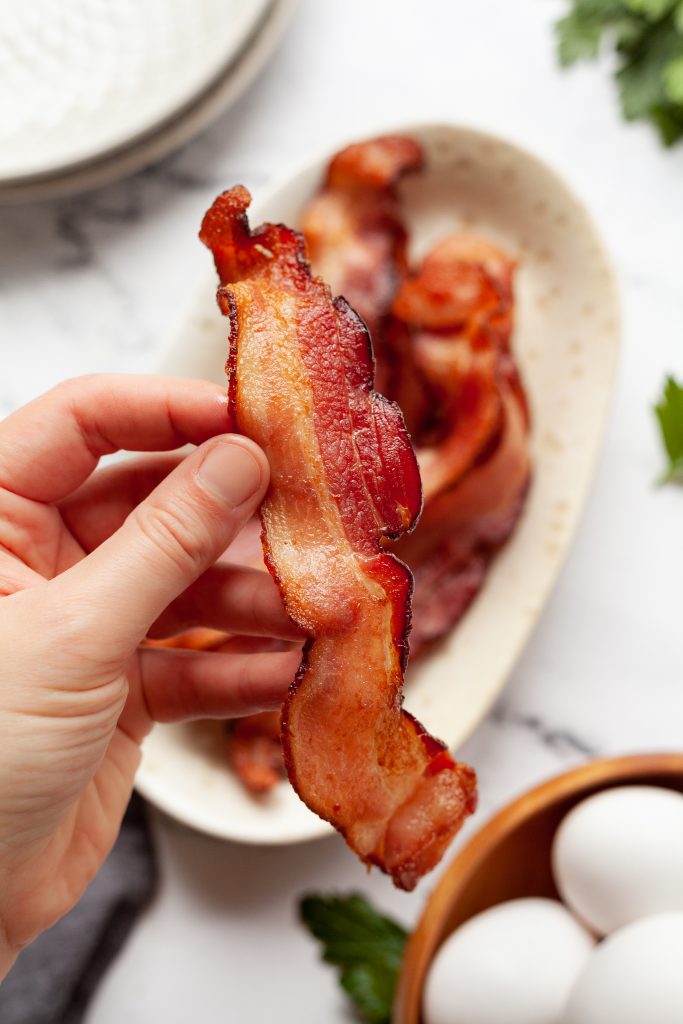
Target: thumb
{"x": 181, "y": 528}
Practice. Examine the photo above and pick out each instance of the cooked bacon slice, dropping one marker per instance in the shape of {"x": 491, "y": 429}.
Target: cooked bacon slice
{"x": 459, "y": 310}
{"x": 255, "y": 751}
{"x": 356, "y": 239}
{"x": 198, "y": 639}
{"x": 343, "y": 476}
{"x": 463, "y": 528}
{"x": 443, "y": 353}
{"x": 462, "y": 281}
{"x": 447, "y": 579}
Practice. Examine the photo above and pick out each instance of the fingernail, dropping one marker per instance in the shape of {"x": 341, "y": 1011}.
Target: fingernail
{"x": 230, "y": 473}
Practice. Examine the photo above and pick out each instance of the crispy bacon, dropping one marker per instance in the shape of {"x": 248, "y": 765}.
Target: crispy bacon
{"x": 343, "y": 476}
{"x": 356, "y": 239}
{"x": 255, "y": 751}
{"x": 443, "y": 353}
{"x": 459, "y": 311}
{"x": 463, "y": 529}
{"x": 198, "y": 639}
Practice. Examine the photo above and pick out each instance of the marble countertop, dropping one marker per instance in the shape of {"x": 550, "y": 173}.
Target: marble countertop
{"x": 97, "y": 283}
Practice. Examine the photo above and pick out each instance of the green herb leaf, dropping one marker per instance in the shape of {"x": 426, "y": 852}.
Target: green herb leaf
{"x": 367, "y": 947}
{"x": 668, "y": 122}
{"x": 642, "y": 78}
{"x": 653, "y": 10}
{"x": 598, "y": 10}
{"x": 648, "y": 36}
{"x": 673, "y": 80}
{"x": 630, "y": 33}
{"x": 371, "y": 987}
{"x": 579, "y": 33}
{"x": 669, "y": 412}
{"x": 577, "y": 39}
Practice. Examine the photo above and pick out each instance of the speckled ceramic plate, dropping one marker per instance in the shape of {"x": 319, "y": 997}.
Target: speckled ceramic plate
{"x": 566, "y": 340}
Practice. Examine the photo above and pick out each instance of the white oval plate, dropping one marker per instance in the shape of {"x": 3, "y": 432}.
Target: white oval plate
{"x": 566, "y": 340}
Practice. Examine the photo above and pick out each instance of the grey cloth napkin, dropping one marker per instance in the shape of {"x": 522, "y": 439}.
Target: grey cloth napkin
{"x": 54, "y": 978}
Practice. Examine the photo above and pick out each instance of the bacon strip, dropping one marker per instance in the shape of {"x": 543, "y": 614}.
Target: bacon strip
{"x": 444, "y": 355}
{"x": 343, "y": 476}
{"x": 255, "y": 752}
{"x": 459, "y": 311}
{"x": 356, "y": 239}
{"x": 462, "y": 530}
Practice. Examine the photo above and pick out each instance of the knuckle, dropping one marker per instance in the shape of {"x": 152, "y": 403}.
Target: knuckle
{"x": 244, "y": 695}
{"x": 254, "y": 605}
{"x": 14, "y": 576}
{"x": 67, "y": 390}
{"x": 64, "y": 389}
{"x": 173, "y": 531}
{"x": 189, "y": 700}
{"x": 74, "y": 395}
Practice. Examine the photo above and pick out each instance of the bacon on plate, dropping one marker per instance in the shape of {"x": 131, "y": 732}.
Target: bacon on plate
{"x": 356, "y": 238}
{"x": 255, "y": 751}
{"x": 458, "y": 309}
{"x": 441, "y": 338}
{"x": 343, "y": 478}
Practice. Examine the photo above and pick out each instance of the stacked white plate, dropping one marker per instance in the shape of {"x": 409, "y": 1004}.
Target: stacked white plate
{"x": 92, "y": 90}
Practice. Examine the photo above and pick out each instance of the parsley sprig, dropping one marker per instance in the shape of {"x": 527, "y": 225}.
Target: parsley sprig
{"x": 648, "y": 38}
{"x": 364, "y": 945}
{"x": 669, "y": 412}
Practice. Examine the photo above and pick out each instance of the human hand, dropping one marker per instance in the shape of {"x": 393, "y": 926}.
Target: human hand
{"x": 88, "y": 563}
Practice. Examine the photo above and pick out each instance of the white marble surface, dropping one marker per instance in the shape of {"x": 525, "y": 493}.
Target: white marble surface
{"x": 96, "y": 283}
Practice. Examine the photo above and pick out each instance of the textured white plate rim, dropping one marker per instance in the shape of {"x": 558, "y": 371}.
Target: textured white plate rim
{"x": 315, "y": 827}
{"x": 165, "y": 137}
{"x": 193, "y": 815}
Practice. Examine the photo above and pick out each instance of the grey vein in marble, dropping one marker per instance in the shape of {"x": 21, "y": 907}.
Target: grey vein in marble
{"x": 560, "y": 740}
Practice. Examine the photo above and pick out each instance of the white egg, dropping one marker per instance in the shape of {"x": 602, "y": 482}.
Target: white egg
{"x": 618, "y": 856}
{"x": 634, "y": 977}
{"x": 512, "y": 964}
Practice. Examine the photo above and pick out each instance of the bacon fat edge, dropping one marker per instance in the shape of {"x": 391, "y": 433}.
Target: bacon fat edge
{"x": 343, "y": 476}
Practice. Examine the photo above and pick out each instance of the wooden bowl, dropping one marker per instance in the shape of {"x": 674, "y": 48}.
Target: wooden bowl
{"x": 510, "y": 858}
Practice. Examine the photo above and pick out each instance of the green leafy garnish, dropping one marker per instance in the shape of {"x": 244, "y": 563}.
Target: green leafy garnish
{"x": 650, "y": 9}
{"x": 366, "y": 946}
{"x": 669, "y": 411}
{"x": 648, "y": 38}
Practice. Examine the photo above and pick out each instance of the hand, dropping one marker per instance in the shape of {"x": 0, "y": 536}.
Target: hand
{"x": 88, "y": 563}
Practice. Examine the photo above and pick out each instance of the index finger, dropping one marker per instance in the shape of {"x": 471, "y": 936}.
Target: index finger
{"x": 50, "y": 446}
